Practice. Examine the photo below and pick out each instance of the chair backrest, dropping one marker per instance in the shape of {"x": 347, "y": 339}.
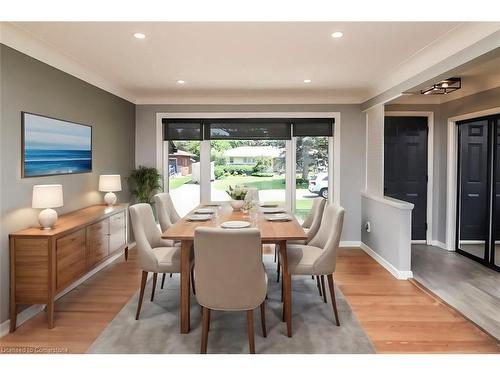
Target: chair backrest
{"x": 328, "y": 238}
{"x": 252, "y": 195}
{"x": 162, "y": 210}
{"x": 169, "y": 207}
{"x": 318, "y": 204}
{"x": 318, "y": 208}
{"x": 229, "y": 271}
{"x": 146, "y": 233}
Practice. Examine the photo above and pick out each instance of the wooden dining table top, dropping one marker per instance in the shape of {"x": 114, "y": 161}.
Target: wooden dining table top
{"x": 270, "y": 231}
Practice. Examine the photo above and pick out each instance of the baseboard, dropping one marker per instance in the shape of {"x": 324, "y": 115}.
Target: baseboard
{"x": 31, "y": 311}
{"x": 400, "y": 275}
{"x": 350, "y": 244}
{"x": 440, "y": 244}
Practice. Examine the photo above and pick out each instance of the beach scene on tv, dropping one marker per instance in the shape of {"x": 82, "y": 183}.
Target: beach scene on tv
{"x": 55, "y": 146}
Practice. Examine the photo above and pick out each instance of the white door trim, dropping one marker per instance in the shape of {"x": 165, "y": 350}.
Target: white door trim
{"x": 430, "y": 162}
{"x": 451, "y": 173}
{"x": 333, "y": 148}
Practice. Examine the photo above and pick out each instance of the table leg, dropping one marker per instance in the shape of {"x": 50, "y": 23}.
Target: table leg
{"x": 185, "y": 297}
{"x": 287, "y": 287}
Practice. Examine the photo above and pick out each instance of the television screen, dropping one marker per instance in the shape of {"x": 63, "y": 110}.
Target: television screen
{"x": 52, "y": 146}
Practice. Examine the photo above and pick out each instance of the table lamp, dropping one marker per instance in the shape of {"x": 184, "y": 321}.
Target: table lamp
{"x": 110, "y": 183}
{"x": 47, "y": 197}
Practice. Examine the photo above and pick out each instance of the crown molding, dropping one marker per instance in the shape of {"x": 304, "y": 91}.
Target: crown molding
{"x": 28, "y": 44}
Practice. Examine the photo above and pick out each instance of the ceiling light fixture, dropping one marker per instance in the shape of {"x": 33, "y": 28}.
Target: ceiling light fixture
{"x": 181, "y": 82}
{"x": 443, "y": 87}
{"x": 139, "y": 35}
{"x": 307, "y": 81}
{"x": 337, "y": 34}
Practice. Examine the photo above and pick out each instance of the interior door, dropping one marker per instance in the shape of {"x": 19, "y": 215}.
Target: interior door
{"x": 405, "y": 167}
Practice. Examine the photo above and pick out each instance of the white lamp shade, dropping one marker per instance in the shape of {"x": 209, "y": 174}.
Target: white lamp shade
{"x": 110, "y": 182}
{"x": 47, "y": 196}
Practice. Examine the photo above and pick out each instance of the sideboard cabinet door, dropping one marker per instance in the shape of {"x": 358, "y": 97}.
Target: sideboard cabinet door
{"x": 97, "y": 242}
{"x": 70, "y": 258}
{"x": 117, "y": 232}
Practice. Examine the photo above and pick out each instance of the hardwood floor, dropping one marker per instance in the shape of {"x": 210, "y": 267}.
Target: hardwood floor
{"x": 396, "y": 315}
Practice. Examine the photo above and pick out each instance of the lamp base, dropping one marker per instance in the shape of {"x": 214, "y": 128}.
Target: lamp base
{"x": 47, "y": 218}
{"x": 110, "y": 198}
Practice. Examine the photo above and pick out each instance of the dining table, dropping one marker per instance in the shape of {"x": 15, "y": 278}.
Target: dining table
{"x": 271, "y": 232}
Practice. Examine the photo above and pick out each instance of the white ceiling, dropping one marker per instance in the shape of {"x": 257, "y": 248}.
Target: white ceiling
{"x": 252, "y": 60}
{"x": 476, "y": 77}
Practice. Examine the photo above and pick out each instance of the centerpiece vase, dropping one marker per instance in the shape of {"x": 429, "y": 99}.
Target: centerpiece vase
{"x": 237, "y": 204}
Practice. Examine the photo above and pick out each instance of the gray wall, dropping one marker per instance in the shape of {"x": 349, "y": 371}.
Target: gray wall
{"x": 469, "y": 104}
{"x": 30, "y": 85}
{"x": 352, "y": 174}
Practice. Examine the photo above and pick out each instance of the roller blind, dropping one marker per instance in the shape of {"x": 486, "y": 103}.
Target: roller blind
{"x": 315, "y": 127}
{"x": 182, "y": 130}
{"x": 252, "y": 129}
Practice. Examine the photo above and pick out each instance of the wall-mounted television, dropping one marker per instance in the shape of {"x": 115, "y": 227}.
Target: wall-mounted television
{"x": 52, "y": 146}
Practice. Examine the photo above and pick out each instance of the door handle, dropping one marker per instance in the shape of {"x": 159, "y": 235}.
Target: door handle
{"x": 473, "y": 195}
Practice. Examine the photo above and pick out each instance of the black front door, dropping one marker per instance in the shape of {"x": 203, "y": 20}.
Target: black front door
{"x": 405, "y": 167}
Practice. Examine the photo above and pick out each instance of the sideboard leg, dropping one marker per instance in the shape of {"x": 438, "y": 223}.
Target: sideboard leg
{"x": 50, "y": 314}
{"x": 126, "y": 254}
{"x": 13, "y": 317}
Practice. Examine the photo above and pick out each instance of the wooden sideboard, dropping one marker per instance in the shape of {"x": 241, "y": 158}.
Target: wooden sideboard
{"x": 45, "y": 262}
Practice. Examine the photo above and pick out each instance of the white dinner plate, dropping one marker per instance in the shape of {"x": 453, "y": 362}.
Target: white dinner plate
{"x": 204, "y": 211}
{"x": 273, "y": 210}
{"x": 235, "y": 224}
{"x": 264, "y": 205}
{"x": 198, "y": 217}
{"x": 278, "y": 217}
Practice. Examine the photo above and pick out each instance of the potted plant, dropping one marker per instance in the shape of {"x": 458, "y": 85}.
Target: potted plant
{"x": 146, "y": 182}
{"x": 237, "y": 195}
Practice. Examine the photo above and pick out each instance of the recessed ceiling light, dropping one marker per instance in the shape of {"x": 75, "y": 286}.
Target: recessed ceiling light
{"x": 181, "y": 82}
{"x": 139, "y": 35}
{"x": 307, "y": 81}
{"x": 337, "y": 34}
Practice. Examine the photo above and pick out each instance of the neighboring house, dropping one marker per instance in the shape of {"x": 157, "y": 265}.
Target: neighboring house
{"x": 248, "y": 155}
{"x": 180, "y": 163}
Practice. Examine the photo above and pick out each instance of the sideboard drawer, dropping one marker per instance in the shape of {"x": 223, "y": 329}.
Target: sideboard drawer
{"x": 117, "y": 232}
{"x": 97, "y": 237}
{"x": 70, "y": 258}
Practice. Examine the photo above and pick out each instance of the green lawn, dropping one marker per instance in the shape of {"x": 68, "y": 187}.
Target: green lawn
{"x": 261, "y": 183}
{"x": 175, "y": 182}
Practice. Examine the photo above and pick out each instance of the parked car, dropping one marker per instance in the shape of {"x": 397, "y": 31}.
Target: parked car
{"x": 319, "y": 185}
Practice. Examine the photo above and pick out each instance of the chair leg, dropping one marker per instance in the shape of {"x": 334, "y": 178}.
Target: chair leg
{"x": 204, "y": 331}
{"x": 170, "y": 275}
{"x": 323, "y": 288}
{"x": 332, "y": 295}
{"x": 312, "y": 277}
{"x": 275, "y": 254}
{"x": 192, "y": 281}
{"x": 251, "y": 342}
{"x": 263, "y": 318}
{"x": 319, "y": 286}
{"x": 163, "y": 280}
{"x": 282, "y": 300}
{"x": 155, "y": 278}
{"x": 141, "y": 295}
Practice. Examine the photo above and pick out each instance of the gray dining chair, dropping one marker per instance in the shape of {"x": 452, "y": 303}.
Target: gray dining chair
{"x": 230, "y": 276}
{"x": 319, "y": 256}
{"x": 156, "y": 255}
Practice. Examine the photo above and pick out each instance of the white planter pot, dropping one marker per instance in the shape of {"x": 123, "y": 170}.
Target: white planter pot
{"x": 236, "y": 205}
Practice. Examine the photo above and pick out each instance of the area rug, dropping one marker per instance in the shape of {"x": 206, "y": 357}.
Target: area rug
{"x": 314, "y": 331}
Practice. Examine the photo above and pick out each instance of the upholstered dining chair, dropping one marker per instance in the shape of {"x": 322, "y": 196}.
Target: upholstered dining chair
{"x": 167, "y": 216}
{"x": 165, "y": 209}
{"x": 319, "y": 256}
{"x": 230, "y": 275}
{"x": 311, "y": 225}
{"x": 156, "y": 255}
